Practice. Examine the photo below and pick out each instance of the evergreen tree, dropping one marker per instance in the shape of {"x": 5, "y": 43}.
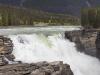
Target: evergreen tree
{"x": 92, "y": 14}
{"x": 97, "y": 18}
{"x": 84, "y": 18}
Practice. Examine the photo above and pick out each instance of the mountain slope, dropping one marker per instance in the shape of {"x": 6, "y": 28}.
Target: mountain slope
{"x": 57, "y": 6}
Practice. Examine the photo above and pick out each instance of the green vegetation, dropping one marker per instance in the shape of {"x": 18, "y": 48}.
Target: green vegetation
{"x": 90, "y": 17}
{"x": 18, "y": 16}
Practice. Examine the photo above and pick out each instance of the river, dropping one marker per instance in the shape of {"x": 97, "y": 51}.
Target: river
{"x": 32, "y": 44}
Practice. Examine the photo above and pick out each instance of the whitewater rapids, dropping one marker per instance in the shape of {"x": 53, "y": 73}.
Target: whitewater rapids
{"x": 30, "y": 48}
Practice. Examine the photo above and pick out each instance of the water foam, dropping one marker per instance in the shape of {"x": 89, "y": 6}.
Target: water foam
{"x": 35, "y": 47}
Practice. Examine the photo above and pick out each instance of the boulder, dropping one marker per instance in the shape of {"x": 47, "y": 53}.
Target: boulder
{"x": 2, "y": 61}
{"x": 6, "y": 48}
{"x": 84, "y": 40}
{"x": 37, "y": 72}
{"x": 10, "y": 57}
{"x": 15, "y": 69}
{"x": 53, "y": 68}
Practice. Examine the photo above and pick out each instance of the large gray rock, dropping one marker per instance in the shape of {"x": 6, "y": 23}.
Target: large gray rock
{"x": 53, "y": 68}
{"x": 2, "y": 60}
{"x": 15, "y": 69}
{"x": 84, "y": 40}
{"x": 6, "y": 48}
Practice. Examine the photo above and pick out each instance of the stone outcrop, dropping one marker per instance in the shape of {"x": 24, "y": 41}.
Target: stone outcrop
{"x": 40, "y": 68}
{"x": 84, "y": 39}
{"x": 6, "y": 48}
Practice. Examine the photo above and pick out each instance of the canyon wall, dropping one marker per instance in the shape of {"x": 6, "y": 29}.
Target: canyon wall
{"x": 85, "y": 40}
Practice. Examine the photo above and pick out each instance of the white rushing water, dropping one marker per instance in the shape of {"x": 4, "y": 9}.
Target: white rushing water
{"x": 29, "y": 30}
{"x": 30, "y": 48}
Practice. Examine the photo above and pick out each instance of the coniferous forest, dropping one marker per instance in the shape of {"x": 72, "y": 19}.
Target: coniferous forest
{"x": 22, "y": 16}
{"x": 90, "y": 17}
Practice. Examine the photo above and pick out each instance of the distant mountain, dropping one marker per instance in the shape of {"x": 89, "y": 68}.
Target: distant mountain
{"x": 56, "y": 6}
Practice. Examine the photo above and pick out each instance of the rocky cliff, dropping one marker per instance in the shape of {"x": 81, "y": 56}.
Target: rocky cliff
{"x": 6, "y": 48}
{"x": 98, "y": 45}
{"x": 84, "y": 39}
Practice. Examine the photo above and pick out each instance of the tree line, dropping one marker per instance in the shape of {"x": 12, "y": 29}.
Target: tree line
{"x": 22, "y": 16}
{"x": 90, "y": 17}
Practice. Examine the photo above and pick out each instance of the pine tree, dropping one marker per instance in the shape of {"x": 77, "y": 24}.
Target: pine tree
{"x": 98, "y": 18}
{"x": 84, "y": 18}
{"x": 92, "y": 14}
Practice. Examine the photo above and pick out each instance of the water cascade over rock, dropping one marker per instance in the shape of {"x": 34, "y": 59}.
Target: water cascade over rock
{"x": 10, "y": 67}
{"x": 38, "y": 47}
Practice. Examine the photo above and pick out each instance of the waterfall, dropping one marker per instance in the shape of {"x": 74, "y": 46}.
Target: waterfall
{"x": 30, "y": 48}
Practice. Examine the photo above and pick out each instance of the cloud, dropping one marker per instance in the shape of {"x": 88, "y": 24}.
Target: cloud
{"x": 88, "y": 3}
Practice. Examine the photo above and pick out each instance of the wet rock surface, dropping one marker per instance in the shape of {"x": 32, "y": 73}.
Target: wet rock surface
{"x": 98, "y": 45}
{"x": 6, "y": 48}
{"x": 84, "y": 39}
{"x": 40, "y": 68}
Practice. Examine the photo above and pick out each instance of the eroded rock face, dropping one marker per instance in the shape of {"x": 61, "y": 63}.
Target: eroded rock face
{"x": 85, "y": 40}
{"x": 6, "y": 48}
{"x": 53, "y": 68}
{"x": 2, "y": 61}
{"x": 98, "y": 45}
